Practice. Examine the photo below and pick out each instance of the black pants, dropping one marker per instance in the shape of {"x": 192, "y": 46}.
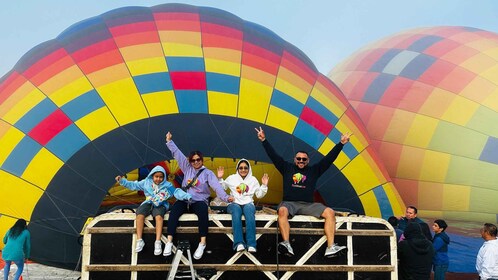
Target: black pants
{"x": 200, "y": 208}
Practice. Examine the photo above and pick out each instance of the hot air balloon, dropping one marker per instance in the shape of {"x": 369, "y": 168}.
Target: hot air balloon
{"x": 97, "y": 100}
{"x": 428, "y": 98}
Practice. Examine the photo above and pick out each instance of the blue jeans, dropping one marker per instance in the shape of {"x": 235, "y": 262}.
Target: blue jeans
{"x": 249, "y": 211}
{"x": 439, "y": 271}
{"x": 6, "y": 269}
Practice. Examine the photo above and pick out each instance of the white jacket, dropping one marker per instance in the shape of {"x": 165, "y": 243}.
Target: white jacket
{"x": 243, "y": 189}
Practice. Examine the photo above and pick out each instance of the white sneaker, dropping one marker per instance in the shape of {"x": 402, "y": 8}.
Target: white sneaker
{"x": 140, "y": 246}
{"x": 333, "y": 250}
{"x": 240, "y": 248}
{"x": 251, "y": 249}
{"x": 158, "y": 247}
{"x": 167, "y": 249}
{"x": 285, "y": 248}
{"x": 199, "y": 251}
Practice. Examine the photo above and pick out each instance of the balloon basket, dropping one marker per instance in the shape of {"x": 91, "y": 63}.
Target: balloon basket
{"x": 109, "y": 242}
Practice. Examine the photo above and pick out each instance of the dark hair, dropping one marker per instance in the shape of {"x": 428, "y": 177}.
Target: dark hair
{"x": 490, "y": 228}
{"x": 17, "y": 228}
{"x": 393, "y": 221}
{"x": 442, "y": 224}
{"x": 414, "y": 208}
{"x": 193, "y": 153}
{"x": 413, "y": 230}
{"x": 302, "y": 152}
{"x": 243, "y": 161}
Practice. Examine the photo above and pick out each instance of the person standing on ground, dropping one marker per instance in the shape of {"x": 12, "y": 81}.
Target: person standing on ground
{"x": 17, "y": 248}
{"x": 415, "y": 254}
{"x": 440, "y": 242}
{"x": 299, "y": 185}
{"x": 411, "y": 216}
{"x": 487, "y": 258}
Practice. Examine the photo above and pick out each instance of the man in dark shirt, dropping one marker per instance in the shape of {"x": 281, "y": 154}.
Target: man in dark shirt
{"x": 411, "y": 216}
{"x": 299, "y": 183}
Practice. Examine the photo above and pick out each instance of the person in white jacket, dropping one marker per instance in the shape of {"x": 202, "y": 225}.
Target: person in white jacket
{"x": 243, "y": 187}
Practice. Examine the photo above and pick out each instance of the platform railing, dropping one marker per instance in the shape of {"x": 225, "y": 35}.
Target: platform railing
{"x": 345, "y": 226}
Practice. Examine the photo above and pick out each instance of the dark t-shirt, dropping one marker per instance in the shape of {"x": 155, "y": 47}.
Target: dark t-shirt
{"x": 299, "y": 184}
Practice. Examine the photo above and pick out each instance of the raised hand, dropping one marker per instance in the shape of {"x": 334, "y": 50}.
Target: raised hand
{"x": 345, "y": 137}
{"x": 261, "y": 134}
{"x": 169, "y": 136}
{"x": 221, "y": 172}
{"x": 265, "y": 179}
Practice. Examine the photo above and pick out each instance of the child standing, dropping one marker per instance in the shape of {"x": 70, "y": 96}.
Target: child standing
{"x": 157, "y": 192}
{"x": 440, "y": 242}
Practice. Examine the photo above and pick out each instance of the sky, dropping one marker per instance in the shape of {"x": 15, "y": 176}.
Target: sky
{"x": 327, "y": 31}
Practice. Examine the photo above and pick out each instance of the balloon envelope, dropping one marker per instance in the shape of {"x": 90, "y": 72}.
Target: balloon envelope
{"x": 96, "y": 102}
{"x": 429, "y": 100}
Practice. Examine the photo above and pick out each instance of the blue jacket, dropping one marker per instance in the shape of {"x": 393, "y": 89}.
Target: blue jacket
{"x": 440, "y": 243}
{"x": 156, "y": 194}
{"x": 16, "y": 249}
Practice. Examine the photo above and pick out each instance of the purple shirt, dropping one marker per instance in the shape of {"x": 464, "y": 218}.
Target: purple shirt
{"x": 200, "y": 189}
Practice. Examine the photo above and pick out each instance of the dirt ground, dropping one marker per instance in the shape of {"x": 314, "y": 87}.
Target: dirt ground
{"x": 35, "y": 271}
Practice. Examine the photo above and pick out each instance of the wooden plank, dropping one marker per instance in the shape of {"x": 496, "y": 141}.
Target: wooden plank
{"x": 304, "y": 231}
{"x": 241, "y": 267}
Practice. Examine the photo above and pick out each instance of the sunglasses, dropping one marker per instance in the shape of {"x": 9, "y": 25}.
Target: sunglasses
{"x": 243, "y": 168}
{"x": 196, "y": 159}
{"x": 301, "y": 159}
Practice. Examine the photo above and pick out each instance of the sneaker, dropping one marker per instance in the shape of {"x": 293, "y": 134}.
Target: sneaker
{"x": 251, "y": 249}
{"x": 158, "y": 247}
{"x": 285, "y": 248}
{"x": 334, "y": 249}
{"x": 199, "y": 251}
{"x": 140, "y": 245}
{"x": 167, "y": 249}
{"x": 240, "y": 248}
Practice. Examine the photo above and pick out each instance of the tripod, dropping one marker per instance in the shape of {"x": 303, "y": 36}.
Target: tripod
{"x": 182, "y": 246}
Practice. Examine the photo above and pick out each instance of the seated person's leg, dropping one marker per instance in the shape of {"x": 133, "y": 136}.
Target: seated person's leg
{"x": 238, "y": 237}
{"x": 249, "y": 215}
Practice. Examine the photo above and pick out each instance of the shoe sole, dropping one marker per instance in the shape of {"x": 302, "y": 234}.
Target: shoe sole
{"x": 283, "y": 250}
{"x": 337, "y": 254}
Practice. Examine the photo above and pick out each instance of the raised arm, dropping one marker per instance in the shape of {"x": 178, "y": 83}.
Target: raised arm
{"x": 177, "y": 154}
{"x": 327, "y": 161}
{"x": 132, "y": 185}
{"x": 277, "y": 160}
{"x": 263, "y": 189}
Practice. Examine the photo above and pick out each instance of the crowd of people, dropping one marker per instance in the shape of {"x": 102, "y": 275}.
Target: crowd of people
{"x": 419, "y": 252}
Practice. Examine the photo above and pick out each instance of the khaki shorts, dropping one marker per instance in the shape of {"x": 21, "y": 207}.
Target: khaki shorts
{"x": 314, "y": 209}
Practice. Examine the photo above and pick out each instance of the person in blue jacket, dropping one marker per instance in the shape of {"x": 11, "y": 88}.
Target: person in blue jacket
{"x": 157, "y": 192}
{"x": 17, "y": 248}
{"x": 440, "y": 242}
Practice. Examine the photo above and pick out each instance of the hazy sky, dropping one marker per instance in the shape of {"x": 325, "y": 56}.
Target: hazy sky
{"x": 328, "y": 31}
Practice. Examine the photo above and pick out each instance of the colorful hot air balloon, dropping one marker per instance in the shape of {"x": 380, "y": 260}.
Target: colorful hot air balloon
{"x": 97, "y": 101}
{"x": 429, "y": 99}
